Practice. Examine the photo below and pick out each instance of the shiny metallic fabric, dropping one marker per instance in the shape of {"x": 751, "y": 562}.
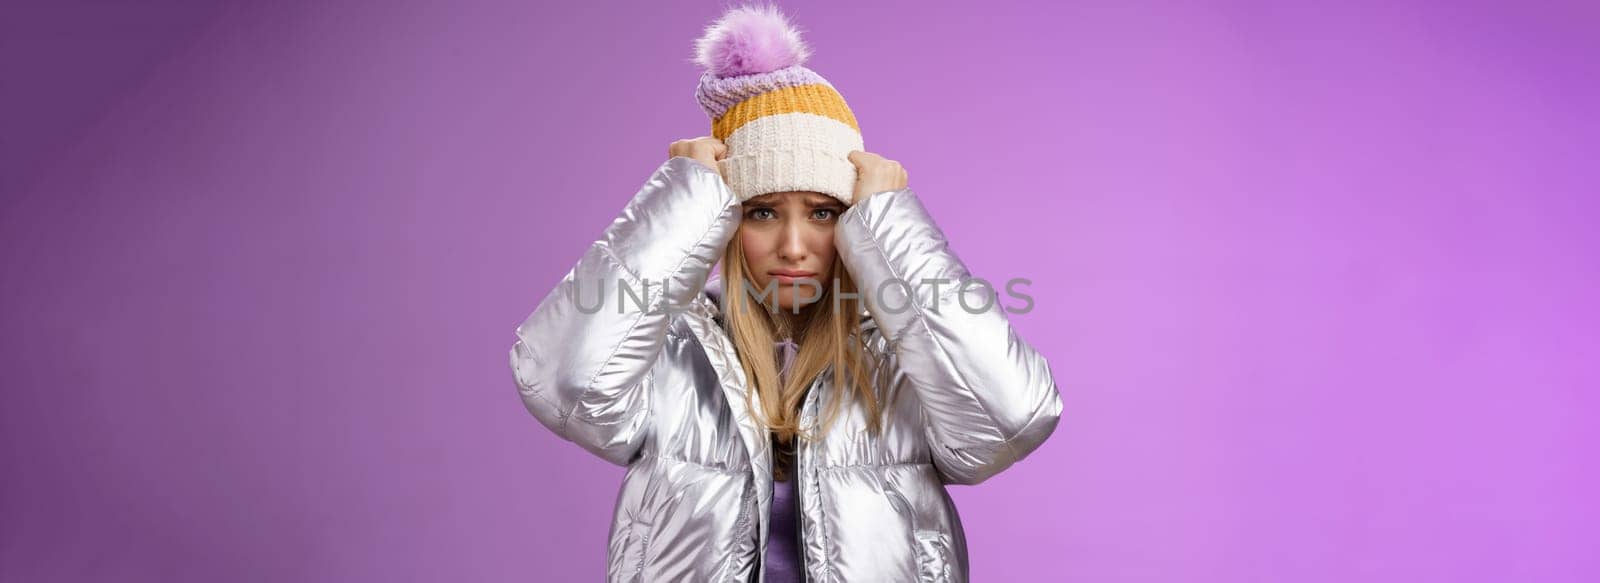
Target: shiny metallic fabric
{"x": 660, "y": 391}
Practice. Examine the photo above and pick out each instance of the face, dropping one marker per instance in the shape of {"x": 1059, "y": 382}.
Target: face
{"x": 788, "y": 245}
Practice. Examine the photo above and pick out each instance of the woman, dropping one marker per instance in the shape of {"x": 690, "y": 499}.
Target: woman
{"x": 798, "y": 417}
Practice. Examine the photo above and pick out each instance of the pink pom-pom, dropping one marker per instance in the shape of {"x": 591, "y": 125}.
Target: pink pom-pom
{"x": 750, "y": 39}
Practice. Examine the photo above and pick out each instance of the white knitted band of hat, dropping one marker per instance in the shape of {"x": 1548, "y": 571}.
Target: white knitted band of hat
{"x": 789, "y": 152}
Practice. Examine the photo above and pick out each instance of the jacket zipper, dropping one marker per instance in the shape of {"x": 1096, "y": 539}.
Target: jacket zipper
{"x": 800, "y": 509}
{"x": 800, "y": 455}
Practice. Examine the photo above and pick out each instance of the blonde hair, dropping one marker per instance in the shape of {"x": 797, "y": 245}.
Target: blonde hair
{"x": 832, "y": 337}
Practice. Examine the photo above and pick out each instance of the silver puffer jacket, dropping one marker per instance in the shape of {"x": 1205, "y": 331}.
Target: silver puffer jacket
{"x": 652, "y": 382}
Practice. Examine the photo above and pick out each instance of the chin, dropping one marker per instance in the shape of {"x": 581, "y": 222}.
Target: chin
{"x": 788, "y": 299}
{"x": 787, "y": 296}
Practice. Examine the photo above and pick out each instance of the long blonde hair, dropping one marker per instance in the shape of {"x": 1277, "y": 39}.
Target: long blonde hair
{"x": 832, "y": 337}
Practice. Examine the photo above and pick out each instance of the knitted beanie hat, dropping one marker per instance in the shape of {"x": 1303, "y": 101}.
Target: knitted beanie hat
{"x": 785, "y": 126}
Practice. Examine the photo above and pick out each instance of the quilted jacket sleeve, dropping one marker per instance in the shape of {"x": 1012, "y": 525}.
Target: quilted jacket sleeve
{"x": 989, "y": 398}
{"x": 582, "y": 358}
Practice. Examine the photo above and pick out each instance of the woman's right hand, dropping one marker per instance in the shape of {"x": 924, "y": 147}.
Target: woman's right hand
{"x": 705, "y": 150}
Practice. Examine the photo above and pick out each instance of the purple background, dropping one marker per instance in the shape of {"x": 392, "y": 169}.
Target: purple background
{"x": 1318, "y": 279}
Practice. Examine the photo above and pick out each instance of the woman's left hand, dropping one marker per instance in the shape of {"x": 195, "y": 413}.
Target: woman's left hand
{"x": 875, "y": 174}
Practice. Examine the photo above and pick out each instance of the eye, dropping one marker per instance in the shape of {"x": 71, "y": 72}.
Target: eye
{"x": 826, "y": 214}
{"x": 760, "y": 213}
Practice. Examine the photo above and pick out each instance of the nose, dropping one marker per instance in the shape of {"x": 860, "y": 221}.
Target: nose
{"x": 793, "y": 245}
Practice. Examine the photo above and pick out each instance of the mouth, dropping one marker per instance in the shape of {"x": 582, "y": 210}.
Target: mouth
{"x": 789, "y": 276}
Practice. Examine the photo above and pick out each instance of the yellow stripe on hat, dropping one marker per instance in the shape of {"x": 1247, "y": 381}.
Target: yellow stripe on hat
{"x": 815, "y": 98}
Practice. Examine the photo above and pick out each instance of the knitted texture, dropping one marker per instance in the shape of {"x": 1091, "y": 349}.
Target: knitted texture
{"x": 786, "y": 127}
